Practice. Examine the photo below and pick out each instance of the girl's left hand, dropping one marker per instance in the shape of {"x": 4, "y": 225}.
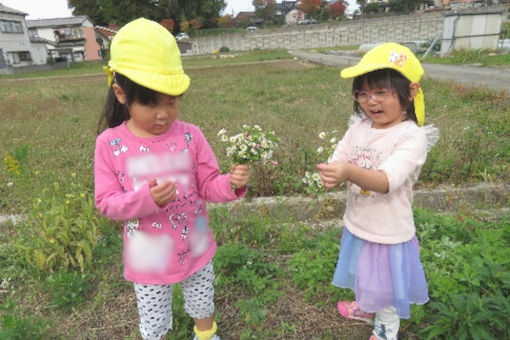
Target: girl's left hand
{"x": 333, "y": 173}
{"x": 240, "y": 175}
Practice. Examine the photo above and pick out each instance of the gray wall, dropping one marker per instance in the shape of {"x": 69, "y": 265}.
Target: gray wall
{"x": 350, "y": 32}
{"x": 471, "y": 30}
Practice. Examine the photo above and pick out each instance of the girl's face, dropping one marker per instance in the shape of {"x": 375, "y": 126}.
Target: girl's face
{"x": 382, "y": 105}
{"x": 150, "y": 120}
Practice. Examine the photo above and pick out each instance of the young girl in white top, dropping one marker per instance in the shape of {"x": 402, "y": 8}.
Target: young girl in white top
{"x": 156, "y": 173}
{"x": 380, "y": 157}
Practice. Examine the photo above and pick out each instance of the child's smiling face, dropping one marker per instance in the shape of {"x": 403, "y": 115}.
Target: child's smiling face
{"x": 383, "y": 106}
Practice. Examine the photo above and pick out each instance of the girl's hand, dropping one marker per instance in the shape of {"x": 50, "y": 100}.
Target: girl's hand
{"x": 333, "y": 173}
{"x": 162, "y": 193}
{"x": 240, "y": 175}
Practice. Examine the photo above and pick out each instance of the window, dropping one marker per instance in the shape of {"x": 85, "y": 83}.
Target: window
{"x": 7, "y": 26}
{"x": 25, "y": 56}
{"x": 17, "y": 57}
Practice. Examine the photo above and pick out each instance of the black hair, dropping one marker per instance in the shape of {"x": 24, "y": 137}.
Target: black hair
{"x": 386, "y": 78}
{"x": 115, "y": 113}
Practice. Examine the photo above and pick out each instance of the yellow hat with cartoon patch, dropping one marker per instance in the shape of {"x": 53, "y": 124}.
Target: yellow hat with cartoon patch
{"x": 147, "y": 53}
{"x": 396, "y": 57}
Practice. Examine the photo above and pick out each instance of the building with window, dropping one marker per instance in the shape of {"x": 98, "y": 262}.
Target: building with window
{"x": 71, "y": 38}
{"x": 16, "y": 47}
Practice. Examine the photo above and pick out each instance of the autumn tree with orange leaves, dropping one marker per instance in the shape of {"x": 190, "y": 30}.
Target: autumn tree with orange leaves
{"x": 336, "y": 10}
{"x": 311, "y": 7}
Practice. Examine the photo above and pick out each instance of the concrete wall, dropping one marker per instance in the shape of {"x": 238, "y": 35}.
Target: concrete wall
{"x": 471, "y": 30}
{"x": 352, "y": 32}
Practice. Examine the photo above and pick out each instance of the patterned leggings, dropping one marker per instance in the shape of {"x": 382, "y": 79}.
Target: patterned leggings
{"x": 155, "y": 302}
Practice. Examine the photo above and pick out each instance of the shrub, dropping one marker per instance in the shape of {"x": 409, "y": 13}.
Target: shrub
{"x": 61, "y": 230}
{"x": 224, "y": 49}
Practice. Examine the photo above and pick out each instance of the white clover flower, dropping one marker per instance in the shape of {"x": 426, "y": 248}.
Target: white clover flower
{"x": 316, "y": 177}
{"x": 257, "y": 127}
{"x": 332, "y": 140}
{"x": 320, "y": 150}
{"x": 322, "y": 135}
{"x": 224, "y": 138}
{"x": 232, "y": 139}
{"x": 222, "y": 132}
{"x": 230, "y": 150}
{"x": 307, "y": 174}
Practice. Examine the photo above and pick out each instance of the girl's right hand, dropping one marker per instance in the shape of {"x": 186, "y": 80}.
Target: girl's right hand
{"x": 162, "y": 193}
{"x": 333, "y": 173}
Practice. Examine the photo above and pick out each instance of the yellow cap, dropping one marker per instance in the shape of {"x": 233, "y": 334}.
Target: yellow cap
{"x": 146, "y": 52}
{"x": 396, "y": 57}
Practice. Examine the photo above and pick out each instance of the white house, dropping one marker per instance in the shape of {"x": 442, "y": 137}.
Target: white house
{"x": 73, "y": 38}
{"x": 295, "y": 15}
{"x": 16, "y": 46}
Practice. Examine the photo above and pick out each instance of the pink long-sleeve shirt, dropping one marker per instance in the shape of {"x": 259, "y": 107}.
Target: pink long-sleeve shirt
{"x": 399, "y": 151}
{"x": 167, "y": 244}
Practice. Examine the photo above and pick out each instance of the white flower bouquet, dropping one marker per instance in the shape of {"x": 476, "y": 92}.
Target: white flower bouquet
{"x": 312, "y": 180}
{"x": 251, "y": 145}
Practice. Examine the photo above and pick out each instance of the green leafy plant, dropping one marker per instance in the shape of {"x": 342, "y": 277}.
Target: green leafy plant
{"x": 312, "y": 268}
{"x": 16, "y": 163}
{"x": 61, "y": 230}
{"x": 68, "y": 289}
{"x": 469, "y": 316}
{"x": 16, "y": 324}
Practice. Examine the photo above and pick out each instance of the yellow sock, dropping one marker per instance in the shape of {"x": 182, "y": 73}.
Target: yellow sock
{"x": 206, "y": 335}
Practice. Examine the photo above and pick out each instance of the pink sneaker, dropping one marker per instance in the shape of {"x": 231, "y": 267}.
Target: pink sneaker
{"x": 351, "y": 310}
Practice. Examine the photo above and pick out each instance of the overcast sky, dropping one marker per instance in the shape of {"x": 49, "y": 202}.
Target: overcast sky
{"x": 45, "y": 9}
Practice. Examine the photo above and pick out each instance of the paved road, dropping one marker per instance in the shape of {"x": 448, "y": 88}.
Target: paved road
{"x": 493, "y": 78}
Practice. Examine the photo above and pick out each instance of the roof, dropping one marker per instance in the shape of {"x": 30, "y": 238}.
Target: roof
{"x": 71, "y": 21}
{"x": 5, "y": 9}
{"x": 41, "y": 40}
{"x": 105, "y": 30}
{"x": 245, "y": 14}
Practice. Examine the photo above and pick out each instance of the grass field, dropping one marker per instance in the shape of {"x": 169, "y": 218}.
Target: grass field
{"x": 50, "y": 124}
{"x": 272, "y": 275}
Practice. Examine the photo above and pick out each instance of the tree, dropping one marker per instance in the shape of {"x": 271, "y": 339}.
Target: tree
{"x": 168, "y": 24}
{"x": 264, "y": 9}
{"x": 311, "y": 7}
{"x": 337, "y": 9}
{"x": 91, "y": 8}
{"x": 226, "y": 21}
{"x": 122, "y": 11}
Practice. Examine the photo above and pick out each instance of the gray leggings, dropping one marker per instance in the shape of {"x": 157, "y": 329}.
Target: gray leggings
{"x": 155, "y": 302}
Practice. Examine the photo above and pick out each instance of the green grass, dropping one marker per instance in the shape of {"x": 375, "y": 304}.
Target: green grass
{"x": 272, "y": 280}
{"x": 74, "y": 69}
{"x": 229, "y": 58}
{"x": 53, "y": 123}
{"x": 480, "y": 57}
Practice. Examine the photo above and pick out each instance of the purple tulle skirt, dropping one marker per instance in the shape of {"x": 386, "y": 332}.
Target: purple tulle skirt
{"x": 381, "y": 275}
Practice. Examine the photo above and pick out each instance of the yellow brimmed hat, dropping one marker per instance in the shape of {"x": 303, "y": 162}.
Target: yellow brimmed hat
{"x": 146, "y": 52}
{"x": 395, "y": 57}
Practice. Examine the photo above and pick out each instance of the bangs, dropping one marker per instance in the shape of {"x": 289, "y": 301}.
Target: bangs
{"x": 136, "y": 93}
{"x": 375, "y": 79}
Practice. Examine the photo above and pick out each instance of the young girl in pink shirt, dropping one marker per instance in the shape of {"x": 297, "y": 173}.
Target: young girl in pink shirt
{"x": 380, "y": 158}
{"x": 156, "y": 173}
